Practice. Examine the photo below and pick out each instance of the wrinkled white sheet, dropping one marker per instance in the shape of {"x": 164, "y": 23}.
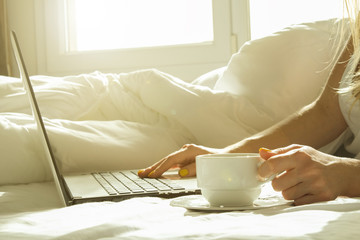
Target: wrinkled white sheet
{"x": 31, "y": 212}
{"x": 119, "y": 121}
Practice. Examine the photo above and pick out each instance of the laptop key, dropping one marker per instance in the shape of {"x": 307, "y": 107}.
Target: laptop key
{"x": 115, "y": 183}
{"x": 157, "y": 184}
{"x": 139, "y": 181}
{"x": 167, "y": 182}
{"x": 131, "y": 175}
{"x": 145, "y": 185}
{"x": 172, "y": 185}
{"x": 107, "y": 187}
{"x": 133, "y": 187}
{"x": 149, "y": 184}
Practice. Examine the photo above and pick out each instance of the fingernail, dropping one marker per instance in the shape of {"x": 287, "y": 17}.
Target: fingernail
{"x": 264, "y": 149}
{"x": 149, "y": 175}
{"x": 141, "y": 171}
{"x": 183, "y": 172}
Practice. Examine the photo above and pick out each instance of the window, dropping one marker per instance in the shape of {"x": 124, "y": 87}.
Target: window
{"x": 55, "y": 45}
{"x": 268, "y": 16}
{"x": 183, "y": 37}
{"x": 119, "y": 24}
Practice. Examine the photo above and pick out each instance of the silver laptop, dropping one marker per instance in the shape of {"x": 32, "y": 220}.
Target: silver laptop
{"x": 99, "y": 186}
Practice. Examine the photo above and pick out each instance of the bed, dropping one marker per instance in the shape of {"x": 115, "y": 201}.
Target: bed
{"x": 131, "y": 120}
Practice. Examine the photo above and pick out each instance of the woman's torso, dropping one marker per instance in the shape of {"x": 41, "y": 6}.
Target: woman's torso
{"x": 351, "y": 113}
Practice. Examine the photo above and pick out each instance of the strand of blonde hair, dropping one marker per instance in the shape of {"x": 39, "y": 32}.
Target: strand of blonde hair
{"x": 352, "y": 11}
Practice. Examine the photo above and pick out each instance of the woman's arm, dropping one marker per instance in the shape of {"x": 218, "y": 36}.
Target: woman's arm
{"x": 315, "y": 125}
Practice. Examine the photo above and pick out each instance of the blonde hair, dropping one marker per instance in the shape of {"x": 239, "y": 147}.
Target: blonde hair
{"x": 352, "y": 10}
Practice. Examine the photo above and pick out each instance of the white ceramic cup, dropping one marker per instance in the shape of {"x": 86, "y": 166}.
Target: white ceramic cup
{"x": 229, "y": 179}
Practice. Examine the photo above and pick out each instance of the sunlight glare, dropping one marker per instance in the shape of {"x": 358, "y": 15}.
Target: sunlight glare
{"x": 268, "y": 16}
{"x": 114, "y": 24}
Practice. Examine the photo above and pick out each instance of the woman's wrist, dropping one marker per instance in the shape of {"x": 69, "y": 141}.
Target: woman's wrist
{"x": 349, "y": 171}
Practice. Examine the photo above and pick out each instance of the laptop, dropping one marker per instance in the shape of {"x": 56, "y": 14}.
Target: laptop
{"x": 99, "y": 186}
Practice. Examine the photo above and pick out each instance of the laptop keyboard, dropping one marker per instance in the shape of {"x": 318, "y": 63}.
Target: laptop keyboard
{"x": 126, "y": 182}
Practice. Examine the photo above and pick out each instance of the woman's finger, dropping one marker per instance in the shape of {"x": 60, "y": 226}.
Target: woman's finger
{"x": 306, "y": 199}
{"x": 150, "y": 170}
{"x": 266, "y": 153}
{"x": 145, "y": 172}
{"x": 168, "y": 160}
{"x": 184, "y": 156}
{"x": 286, "y": 180}
{"x": 277, "y": 164}
{"x": 277, "y": 160}
{"x": 188, "y": 170}
{"x": 296, "y": 192}
{"x": 308, "y": 190}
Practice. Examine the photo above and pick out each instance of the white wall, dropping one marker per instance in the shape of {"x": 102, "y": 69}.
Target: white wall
{"x": 21, "y": 18}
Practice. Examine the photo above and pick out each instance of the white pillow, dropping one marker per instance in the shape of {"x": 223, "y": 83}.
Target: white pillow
{"x": 283, "y": 71}
{"x": 209, "y": 79}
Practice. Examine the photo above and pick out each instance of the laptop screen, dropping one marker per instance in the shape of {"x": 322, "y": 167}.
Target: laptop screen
{"x": 38, "y": 119}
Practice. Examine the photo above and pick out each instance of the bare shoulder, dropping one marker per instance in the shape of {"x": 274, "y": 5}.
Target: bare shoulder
{"x": 329, "y": 98}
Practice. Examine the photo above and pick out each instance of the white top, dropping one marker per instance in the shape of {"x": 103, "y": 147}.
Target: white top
{"x": 351, "y": 115}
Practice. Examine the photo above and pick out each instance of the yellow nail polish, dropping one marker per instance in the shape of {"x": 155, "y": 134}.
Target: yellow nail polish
{"x": 140, "y": 171}
{"x": 149, "y": 175}
{"x": 264, "y": 149}
{"x": 183, "y": 172}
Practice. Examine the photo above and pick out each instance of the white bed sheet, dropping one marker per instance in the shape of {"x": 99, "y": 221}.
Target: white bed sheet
{"x": 33, "y": 211}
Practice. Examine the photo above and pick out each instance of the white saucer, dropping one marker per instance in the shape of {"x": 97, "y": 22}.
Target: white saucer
{"x": 198, "y": 202}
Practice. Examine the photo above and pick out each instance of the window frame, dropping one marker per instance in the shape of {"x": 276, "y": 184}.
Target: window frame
{"x": 53, "y": 57}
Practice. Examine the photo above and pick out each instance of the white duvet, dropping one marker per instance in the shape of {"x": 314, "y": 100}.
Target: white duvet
{"x": 107, "y": 121}
{"x": 103, "y": 121}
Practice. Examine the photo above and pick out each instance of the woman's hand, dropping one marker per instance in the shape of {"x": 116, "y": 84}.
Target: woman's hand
{"x": 306, "y": 175}
{"x": 183, "y": 159}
